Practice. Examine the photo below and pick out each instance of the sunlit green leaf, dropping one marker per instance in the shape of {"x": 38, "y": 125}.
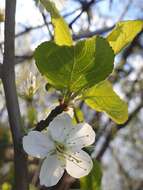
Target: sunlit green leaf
{"x": 101, "y": 97}
{"x": 93, "y": 180}
{"x": 62, "y": 35}
{"x": 123, "y": 34}
{"x": 76, "y": 67}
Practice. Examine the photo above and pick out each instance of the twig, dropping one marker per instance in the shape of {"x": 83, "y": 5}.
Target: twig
{"x": 85, "y": 7}
{"x": 90, "y": 34}
{"x": 44, "y": 123}
{"x": 127, "y": 7}
{"x": 108, "y": 135}
{"x": 46, "y": 24}
{"x": 27, "y": 30}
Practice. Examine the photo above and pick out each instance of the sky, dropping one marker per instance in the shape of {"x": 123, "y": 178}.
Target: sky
{"x": 28, "y": 15}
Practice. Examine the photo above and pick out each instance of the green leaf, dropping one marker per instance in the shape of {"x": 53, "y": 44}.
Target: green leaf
{"x": 62, "y": 35}
{"x": 93, "y": 180}
{"x": 75, "y": 67}
{"x": 123, "y": 34}
{"x": 101, "y": 97}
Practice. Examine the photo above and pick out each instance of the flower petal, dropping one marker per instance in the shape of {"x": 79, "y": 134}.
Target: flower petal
{"x": 51, "y": 171}
{"x": 60, "y": 127}
{"x": 37, "y": 144}
{"x": 81, "y": 136}
{"x": 78, "y": 164}
{"x": 70, "y": 112}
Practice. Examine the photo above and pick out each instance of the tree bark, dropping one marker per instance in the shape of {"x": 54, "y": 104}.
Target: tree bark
{"x": 8, "y": 80}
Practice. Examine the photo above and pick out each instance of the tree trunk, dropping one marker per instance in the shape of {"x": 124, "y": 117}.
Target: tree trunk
{"x": 8, "y": 80}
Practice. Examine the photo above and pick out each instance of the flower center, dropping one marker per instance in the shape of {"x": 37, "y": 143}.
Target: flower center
{"x": 63, "y": 154}
{"x": 60, "y": 148}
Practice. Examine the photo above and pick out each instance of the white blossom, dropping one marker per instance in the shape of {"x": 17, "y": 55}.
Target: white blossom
{"x": 61, "y": 147}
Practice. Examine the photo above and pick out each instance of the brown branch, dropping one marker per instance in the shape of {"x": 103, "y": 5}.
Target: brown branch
{"x": 44, "y": 123}
{"x": 85, "y": 6}
{"x": 127, "y": 7}
{"x": 25, "y": 31}
{"x": 90, "y": 34}
{"x": 22, "y": 58}
{"x": 8, "y": 80}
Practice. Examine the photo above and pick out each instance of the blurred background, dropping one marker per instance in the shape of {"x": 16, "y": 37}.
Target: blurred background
{"x": 118, "y": 149}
